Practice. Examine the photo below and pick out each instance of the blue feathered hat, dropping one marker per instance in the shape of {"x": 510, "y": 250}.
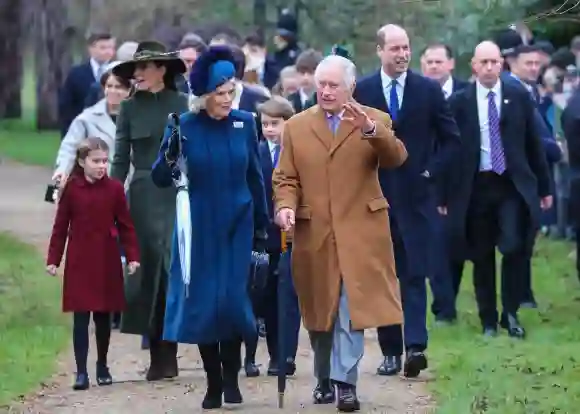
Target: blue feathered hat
{"x": 212, "y": 69}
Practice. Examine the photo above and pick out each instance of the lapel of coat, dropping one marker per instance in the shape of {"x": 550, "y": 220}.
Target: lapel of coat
{"x": 409, "y": 95}
{"x": 345, "y": 129}
{"x": 319, "y": 125}
{"x": 472, "y": 114}
{"x": 99, "y": 119}
{"x": 506, "y": 98}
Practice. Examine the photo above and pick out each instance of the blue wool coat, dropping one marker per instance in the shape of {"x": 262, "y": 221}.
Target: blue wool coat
{"x": 228, "y": 204}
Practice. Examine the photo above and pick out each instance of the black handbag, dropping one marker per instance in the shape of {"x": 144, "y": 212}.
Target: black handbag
{"x": 51, "y": 194}
{"x": 259, "y": 270}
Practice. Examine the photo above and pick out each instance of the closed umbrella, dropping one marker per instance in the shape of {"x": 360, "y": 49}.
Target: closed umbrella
{"x": 182, "y": 206}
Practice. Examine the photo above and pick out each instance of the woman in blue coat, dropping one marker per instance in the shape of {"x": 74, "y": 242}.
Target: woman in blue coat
{"x": 229, "y": 219}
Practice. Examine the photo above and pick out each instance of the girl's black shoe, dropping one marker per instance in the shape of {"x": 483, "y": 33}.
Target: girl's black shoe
{"x": 103, "y": 375}
{"x": 81, "y": 382}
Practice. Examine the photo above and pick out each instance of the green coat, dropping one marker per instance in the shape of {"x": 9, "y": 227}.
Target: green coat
{"x": 140, "y": 126}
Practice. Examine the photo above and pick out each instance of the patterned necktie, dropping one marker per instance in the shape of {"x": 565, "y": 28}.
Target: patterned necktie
{"x": 100, "y": 71}
{"x": 496, "y": 147}
{"x": 276, "y": 155}
{"x": 394, "y": 100}
{"x": 333, "y": 123}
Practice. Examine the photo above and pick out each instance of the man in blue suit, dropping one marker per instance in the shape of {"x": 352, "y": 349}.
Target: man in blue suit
{"x": 77, "y": 84}
{"x": 280, "y": 297}
{"x": 423, "y": 121}
{"x": 438, "y": 63}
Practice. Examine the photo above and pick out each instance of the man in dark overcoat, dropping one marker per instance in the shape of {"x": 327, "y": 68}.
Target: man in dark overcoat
{"x": 422, "y": 120}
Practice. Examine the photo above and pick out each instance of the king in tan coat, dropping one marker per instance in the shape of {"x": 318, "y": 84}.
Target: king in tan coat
{"x": 326, "y": 189}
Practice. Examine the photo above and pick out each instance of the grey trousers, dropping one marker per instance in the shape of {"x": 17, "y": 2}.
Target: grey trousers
{"x": 337, "y": 353}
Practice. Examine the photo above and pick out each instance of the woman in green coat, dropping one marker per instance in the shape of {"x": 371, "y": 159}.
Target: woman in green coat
{"x": 140, "y": 127}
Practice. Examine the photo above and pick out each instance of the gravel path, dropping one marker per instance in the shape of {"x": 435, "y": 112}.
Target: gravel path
{"x": 23, "y": 212}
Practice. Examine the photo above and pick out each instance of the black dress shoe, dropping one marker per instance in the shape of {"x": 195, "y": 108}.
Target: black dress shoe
{"x": 415, "y": 362}
{"x": 273, "y": 369}
{"x": 323, "y": 393}
{"x": 346, "y": 401}
{"x": 290, "y": 367}
{"x": 103, "y": 375}
{"x": 261, "y": 325}
{"x": 390, "y": 366}
{"x": 81, "y": 382}
{"x": 490, "y": 331}
{"x": 511, "y": 324}
{"x": 251, "y": 369}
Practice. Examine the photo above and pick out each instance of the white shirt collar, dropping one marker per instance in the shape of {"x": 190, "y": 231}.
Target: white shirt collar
{"x": 387, "y": 80}
{"x": 303, "y": 96}
{"x": 447, "y": 87}
{"x": 483, "y": 91}
{"x": 95, "y": 66}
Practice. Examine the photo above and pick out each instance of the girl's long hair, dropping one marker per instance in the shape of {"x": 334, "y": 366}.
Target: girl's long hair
{"x": 83, "y": 150}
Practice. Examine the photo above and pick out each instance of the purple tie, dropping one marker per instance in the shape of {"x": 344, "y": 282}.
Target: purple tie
{"x": 496, "y": 146}
{"x": 333, "y": 122}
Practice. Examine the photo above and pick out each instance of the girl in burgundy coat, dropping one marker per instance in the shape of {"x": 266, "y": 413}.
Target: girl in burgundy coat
{"x": 92, "y": 214}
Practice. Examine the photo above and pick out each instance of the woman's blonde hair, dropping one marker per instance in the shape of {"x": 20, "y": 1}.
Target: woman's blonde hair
{"x": 197, "y": 103}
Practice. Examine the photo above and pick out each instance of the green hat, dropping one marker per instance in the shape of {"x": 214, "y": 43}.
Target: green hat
{"x": 150, "y": 51}
{"x": 340, "y": 51}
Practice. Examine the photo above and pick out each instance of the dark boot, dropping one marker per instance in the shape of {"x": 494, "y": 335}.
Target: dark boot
{"x": 231, "y": 360}
{"x": 170, "y": 367}
{"x": 213, "y": 370}
{"x": 155, "y": 371}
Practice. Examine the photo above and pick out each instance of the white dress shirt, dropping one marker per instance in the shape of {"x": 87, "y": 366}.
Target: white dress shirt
{"x": 447, "y": 87}
{"x": 386, "y": 80}
{"x": 238, "y": 95}
{"x": 272, "y": 147}
{"x": 304, "y": 97}
{"x": 98, "y": 69}
{"x": 483, "y": 115}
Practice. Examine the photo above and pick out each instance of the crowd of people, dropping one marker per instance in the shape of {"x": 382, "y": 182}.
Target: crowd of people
{"x": 359, "y": 190}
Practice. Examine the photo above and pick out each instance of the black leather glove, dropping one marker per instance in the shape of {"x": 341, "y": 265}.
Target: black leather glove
{"x": 260, "y": 238}
{"x": 172, "y": 152}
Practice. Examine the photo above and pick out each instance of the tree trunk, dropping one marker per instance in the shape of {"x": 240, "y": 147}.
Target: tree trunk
{"x": 260, "y": 14}
{"x": 11, "y": 52}
{"x": 53, "y": 60}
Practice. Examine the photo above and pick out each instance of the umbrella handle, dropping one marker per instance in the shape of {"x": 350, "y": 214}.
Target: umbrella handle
{"x": 281, "y": 400}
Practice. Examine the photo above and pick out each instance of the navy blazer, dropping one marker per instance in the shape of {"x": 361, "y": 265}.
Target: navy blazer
{"x": 94, "y": 95}
{"x": 524, "y": 152}
{"x": 71, "y": 99}
{"x": 424, "y": 123}
{"x": 274, "y": 236}
{"x": 551, "y": 147}
{"x": 458, "y": 84}
{"x": 250, "y": 99}
{"x": 427, "y": 128}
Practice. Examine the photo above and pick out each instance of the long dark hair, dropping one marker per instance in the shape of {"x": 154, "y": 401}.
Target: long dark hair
{"x": 83, "y": 150}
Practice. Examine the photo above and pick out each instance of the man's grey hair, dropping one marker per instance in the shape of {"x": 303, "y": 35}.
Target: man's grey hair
{"x": 348, "y": 69}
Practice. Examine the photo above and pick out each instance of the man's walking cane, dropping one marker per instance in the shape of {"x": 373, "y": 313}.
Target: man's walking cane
{"x": 281, "y": 330}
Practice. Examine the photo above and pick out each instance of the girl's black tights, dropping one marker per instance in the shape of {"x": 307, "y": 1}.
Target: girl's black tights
{"x": 81, "y": 322}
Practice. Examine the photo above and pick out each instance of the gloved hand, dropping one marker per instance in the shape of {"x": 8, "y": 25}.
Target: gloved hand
{"x": 260, "y": 238}
{"x": 172, "y": 152}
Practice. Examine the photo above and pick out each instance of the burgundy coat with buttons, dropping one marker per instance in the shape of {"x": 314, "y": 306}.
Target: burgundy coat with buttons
{"x": 93, "y": 217}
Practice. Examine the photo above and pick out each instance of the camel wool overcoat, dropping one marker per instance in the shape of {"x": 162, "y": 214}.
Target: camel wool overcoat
{"x": 342, "y": 228}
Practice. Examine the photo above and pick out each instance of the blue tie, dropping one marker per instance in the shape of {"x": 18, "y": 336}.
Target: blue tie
{"x": 394, "y": 101}
{"x": 276, "y": 155}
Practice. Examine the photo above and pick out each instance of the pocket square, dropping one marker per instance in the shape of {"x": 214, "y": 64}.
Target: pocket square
{"x": 238, "y": 124}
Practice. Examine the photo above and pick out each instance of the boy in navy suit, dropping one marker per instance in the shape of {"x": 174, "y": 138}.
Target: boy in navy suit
{"x": 279, "y": 287}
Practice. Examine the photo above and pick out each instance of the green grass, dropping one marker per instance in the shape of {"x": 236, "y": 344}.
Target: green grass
{"x": 33, "y": 330}
{"x": 504, "y": 376}
{"x": 20, "y": 141}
